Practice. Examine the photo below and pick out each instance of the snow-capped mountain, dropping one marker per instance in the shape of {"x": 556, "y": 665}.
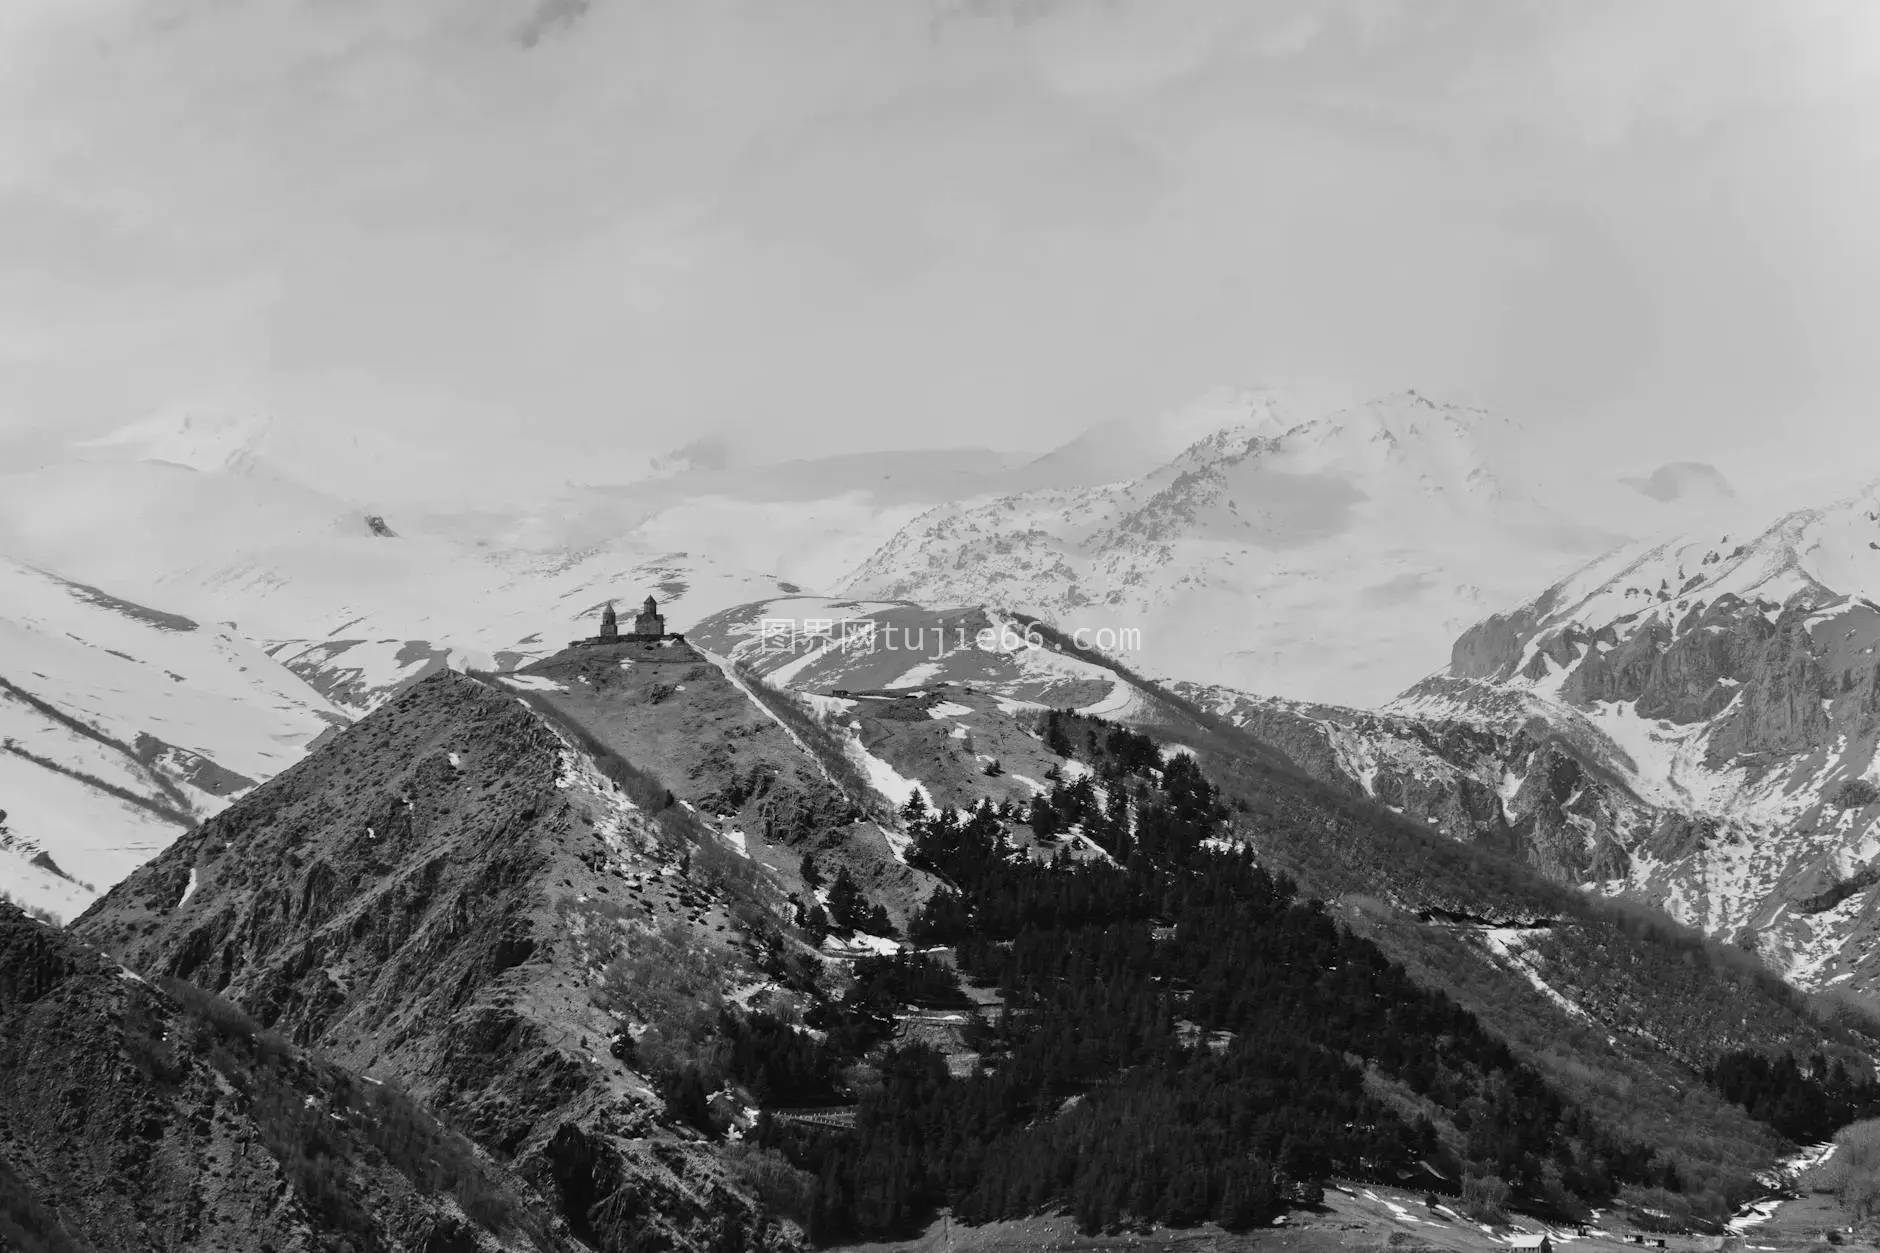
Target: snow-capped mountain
{"x": 205, "y": 517}
{"x": 122, "y": 726}
{"x": 1322, "y": 555}
{"x": 1694, "y": 723}
{"x": 1279, "y": 544}
{"x": 194, "y": 437}
{"x": 285, "y": 597}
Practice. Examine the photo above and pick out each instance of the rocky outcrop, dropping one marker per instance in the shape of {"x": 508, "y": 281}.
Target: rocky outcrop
{"x": 1492, "y": 648}
{"x": 1679, "y": 723}
{"x": 1783, "y": 708}
{"x": 1522, "y": 789}
{"x": 1832, "y": 895}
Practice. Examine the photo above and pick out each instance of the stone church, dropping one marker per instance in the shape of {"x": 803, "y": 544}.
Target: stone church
{"x": 649, "y": 627}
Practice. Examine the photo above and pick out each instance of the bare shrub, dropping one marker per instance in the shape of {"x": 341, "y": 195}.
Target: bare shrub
{"x": 1485, "y": 1198}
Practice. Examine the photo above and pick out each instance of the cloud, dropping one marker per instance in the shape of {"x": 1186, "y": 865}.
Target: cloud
{"x": 549, "y": 17}
{"x": 895, "y": 222}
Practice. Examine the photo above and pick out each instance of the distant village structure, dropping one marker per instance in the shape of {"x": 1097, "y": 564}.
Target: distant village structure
{"x": 649, "y": 627}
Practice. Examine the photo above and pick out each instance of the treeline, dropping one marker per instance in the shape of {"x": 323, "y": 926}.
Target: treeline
{"x": 1806, "y": 1103}
{"x": 1181, "y": 1038}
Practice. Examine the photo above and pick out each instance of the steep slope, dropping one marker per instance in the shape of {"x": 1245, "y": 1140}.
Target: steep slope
{"x": 1321, "y": 556}
{"x": 763, "y": 781}
{"x": 584, "y": 911}
{"x": 134, "y": 1116}
{"x": 472, "y": 908}
{"x": 1601, "y": 1000}
{"x": 120, "y": 727}
{"x": 1525, "y": 787}
{"x": 934, "y": 700}
{"x": 1730, "y": 677}
{"x": 1693, "y": 724}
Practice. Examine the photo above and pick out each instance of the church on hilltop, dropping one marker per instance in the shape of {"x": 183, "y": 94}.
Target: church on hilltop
{"x": 649, "y": 627}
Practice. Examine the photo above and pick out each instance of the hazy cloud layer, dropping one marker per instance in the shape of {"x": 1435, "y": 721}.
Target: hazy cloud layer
{"x": 811, "y": 223}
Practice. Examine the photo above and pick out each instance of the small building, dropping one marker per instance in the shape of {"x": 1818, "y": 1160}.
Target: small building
{"x": 1539, "y": 1243}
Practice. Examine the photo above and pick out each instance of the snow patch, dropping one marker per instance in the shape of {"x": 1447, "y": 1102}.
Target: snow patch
{"x": 1507, "y": 943}
{"x": 861, "y": 944}
{"x": 898, "y": 842}
{"x": 533, "y": 683}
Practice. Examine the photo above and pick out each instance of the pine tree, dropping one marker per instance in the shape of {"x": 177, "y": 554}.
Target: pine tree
{"x": 1055, "y": 737}
{"x": 688, "y": 1102}
{"x": 848, "y": 909}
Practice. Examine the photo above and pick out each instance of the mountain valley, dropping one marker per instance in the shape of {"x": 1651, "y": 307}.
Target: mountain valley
{"x": 561, "y": 906}
{"x": 705, "y": 941}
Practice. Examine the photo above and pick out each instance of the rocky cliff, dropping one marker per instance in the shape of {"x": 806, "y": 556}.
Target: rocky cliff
{"x": 1693, "y": 724}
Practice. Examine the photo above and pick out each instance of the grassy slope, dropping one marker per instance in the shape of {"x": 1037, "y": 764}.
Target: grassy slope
{"x": 691, "y": 728}
{"x": 1353, "y": 1217}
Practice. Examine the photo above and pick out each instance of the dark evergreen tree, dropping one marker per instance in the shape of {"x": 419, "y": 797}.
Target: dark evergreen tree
{"x": 848, "y": 908}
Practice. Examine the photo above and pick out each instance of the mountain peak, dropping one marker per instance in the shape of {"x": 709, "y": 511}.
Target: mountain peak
{"x": 1411, "y": 412}
{"x": 208, "y": 437}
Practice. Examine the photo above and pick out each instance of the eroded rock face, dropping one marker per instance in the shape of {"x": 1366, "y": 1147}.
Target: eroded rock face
{"x": 1492, "y": 648}
{"x": 1781, "y": 709}
{"x": 1632, "y": 734}
{"x": 1522, "y": 789}
{"x": 433, "y": 897}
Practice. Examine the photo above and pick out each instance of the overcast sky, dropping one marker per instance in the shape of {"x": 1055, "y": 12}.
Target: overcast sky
{"x": 814, "y": 224}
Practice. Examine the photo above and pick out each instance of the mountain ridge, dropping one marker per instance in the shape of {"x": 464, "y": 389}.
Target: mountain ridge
{"x": 1332, "y": 556}
{"x": 1689, "y": 723}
